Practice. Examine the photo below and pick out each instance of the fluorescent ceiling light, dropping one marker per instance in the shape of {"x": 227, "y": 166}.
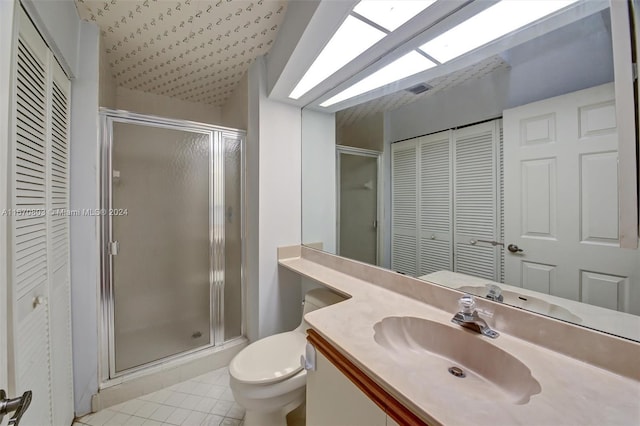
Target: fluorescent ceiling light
{"x": 409, "y": 64}
{"x": 390, "y": 14}
{"x": 352, "y": 38}
{"x": 488, "y": 25}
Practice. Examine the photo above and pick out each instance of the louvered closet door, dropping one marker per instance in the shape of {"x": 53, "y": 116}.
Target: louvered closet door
{"x": 476, "y": 200}
{"x": 404, "y": 212}
{"x": 500, "y": 224}
{"x": 59, "y": 272}
{"x": 435, "y": 251}
{"x": 30, "y": 288}
{"x": 39, "y": 284}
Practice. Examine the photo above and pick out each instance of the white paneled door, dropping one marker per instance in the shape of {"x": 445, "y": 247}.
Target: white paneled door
{"x": 561, "y": 201}
{"x": 39, "y": 323}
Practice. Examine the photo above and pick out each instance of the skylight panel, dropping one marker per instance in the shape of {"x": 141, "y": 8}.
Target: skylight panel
{"x": 488, "y": 25}
{"x": 390, "y": 14}
{"x": 352, "y": 38}
{"x": 407, "y": 65}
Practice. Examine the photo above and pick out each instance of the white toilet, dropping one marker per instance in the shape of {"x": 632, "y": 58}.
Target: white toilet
{"x": 267, "y": 378}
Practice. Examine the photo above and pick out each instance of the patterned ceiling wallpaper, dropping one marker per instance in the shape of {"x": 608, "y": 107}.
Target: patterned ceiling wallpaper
{"x": 194, "y": 50}
{"x": 395, "y": 100}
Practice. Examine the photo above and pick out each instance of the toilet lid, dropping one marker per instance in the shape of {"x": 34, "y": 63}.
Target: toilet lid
{"x": 271, "y": 359}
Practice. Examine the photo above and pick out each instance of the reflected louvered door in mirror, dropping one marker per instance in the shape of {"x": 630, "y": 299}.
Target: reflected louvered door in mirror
{"x": 39, "y": 280}
{"x": 476, "y": 201}
{"x": 435, "y": 204}
{"x": 404, "y": 211}
{"x": 447, "y": 202}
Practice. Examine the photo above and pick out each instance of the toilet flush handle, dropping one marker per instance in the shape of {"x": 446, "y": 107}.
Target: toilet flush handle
{"x": 308, "y": 360}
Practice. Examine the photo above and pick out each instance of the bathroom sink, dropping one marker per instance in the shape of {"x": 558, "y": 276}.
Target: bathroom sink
{"x": 456, "y": 359}
{"x": 529, "y": 303}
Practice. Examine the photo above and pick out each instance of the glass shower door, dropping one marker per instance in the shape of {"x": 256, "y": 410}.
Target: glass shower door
{"x": 358, "y": 205}
{"x": 232, "y": 305}
{"x": 161, "y": 275}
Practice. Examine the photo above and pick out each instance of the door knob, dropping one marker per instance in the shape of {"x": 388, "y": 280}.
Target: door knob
{"x": 39, "y": 301}
{"x": 514, "y": 248}
{"x": 16, "y": 405}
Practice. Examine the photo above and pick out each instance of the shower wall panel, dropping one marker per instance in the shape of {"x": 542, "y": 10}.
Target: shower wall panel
{"x": 232, "y": 148}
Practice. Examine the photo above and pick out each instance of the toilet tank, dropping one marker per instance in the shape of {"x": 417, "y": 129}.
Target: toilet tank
{"x": 319, "y": 298}
{"x": 316, "y": 299}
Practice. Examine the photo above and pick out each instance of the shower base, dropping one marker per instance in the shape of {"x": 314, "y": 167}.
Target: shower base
{"x": 165, "y": 374}
{"x": 141, "y": 346}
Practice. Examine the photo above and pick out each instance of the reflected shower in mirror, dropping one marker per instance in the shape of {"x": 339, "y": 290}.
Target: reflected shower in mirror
{"x": 499, "y": 178}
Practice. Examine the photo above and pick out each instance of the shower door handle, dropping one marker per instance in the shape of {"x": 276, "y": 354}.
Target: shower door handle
{"x": 16, "y": 405}
{"x": 114, "y": 248}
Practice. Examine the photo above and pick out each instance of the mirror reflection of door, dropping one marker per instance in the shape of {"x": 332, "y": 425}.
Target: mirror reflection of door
{"x": 561, "y": 200}
{"x": 358, "y": 204}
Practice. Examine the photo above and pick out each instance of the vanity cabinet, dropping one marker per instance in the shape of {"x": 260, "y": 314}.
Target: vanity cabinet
{"x": 339, "y": 393}
{"x": 332, "y": 399}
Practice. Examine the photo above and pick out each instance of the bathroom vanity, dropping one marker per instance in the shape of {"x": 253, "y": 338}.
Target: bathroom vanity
{"x": 340, "y": 393}
{"x": 391, "y": 350}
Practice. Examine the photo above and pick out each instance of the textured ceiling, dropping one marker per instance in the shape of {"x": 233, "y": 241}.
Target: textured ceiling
{"x": 396, "y": 100}
{"x": 194, "y": 50}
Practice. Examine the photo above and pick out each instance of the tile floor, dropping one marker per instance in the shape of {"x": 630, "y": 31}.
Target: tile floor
{"x": 204, "y": 400}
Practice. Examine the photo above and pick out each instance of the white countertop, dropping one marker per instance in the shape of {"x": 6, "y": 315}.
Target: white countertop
{"x": 573, "y": 392}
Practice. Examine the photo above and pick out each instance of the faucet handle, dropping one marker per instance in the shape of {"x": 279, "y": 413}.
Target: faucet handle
{"x": 494, "y": 293}
{"x": 493, "y": 288}
{"x": 467, "y": 304}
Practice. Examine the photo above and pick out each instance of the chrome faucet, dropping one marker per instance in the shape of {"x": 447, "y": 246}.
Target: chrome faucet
{"x": 495, "y": 293}
{"x": 468, "y": 317}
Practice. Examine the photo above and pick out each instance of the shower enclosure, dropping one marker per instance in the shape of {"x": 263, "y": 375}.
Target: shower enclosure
{"x": 171, "y": 217}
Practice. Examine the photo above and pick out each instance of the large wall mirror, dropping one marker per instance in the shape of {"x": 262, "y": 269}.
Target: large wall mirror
{"x": 499, "y": 173}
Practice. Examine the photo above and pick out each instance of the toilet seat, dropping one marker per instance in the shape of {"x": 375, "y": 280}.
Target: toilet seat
{"x": 267, "y": 378}
{"x": 272, "y": 359}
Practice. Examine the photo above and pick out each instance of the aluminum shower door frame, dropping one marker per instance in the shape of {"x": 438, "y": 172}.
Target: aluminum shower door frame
{"x": 216, "y": 233}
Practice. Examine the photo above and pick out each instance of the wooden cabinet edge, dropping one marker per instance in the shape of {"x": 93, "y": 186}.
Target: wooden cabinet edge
{"x": 391, "y": 406}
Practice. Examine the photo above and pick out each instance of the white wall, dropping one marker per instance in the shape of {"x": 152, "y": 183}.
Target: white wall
{"x": 164, "y": 106}
{"x": 366, "y": 133}
{"x": 235, "y": 110}
{"x": 69, "y": 38}
{"x": 319, "y": 179}
{"x": 292, "y": 29}
{"x": 84, "y": 230}
{"x": 468, "y": 103}
{"x": 7, "y": 9}
{"x": 252, "y": 203}
{"x": 59, "y": 24}
{"x": 107, "y": 95}
{"x": 233, "y": 114}
{"x": 273, "y": 207}
{"x": 573, "y": 58}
